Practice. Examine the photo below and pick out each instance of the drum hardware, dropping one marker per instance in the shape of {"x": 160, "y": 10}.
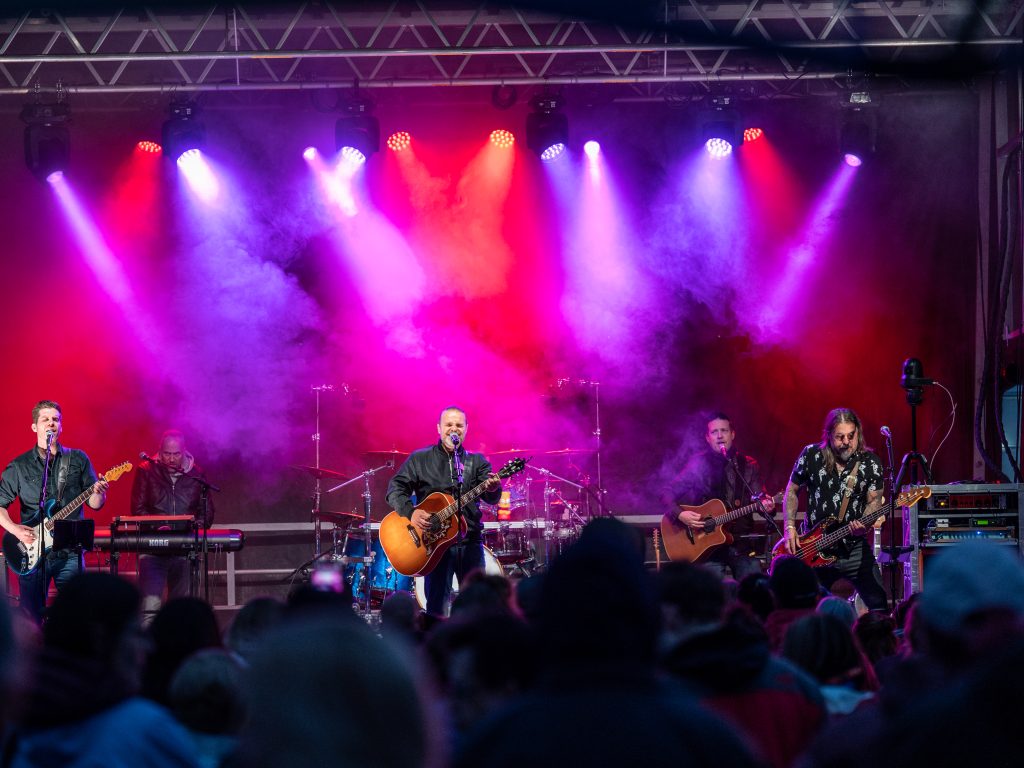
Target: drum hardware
{"x": 367, "y": 529}
{"x": 316, "y": 470}
{"x": 576, "y": 385}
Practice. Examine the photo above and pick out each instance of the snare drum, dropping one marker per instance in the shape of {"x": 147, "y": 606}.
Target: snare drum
{"x": 508, "y": 543}
{"x": 491, "y": 566}
{"x": 384, "y": 579}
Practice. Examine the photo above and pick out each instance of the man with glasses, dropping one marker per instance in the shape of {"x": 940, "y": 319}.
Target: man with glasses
{"x": 840, "y": 466}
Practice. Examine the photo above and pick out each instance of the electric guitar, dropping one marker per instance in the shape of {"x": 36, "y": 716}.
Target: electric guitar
{"x": 23, "y": 560}
{"x": 691, "y": 543}
{"x": 415, "y": 552}
{"x": 819, "y": 546}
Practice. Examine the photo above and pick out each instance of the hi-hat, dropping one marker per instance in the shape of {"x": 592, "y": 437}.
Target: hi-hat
{"x": 568, "y": 451}
{"x": 345, "y": 518}
{"x": 319, "y": 472}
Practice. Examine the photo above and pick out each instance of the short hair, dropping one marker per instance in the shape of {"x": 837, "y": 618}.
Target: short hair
{"x": 45, "y": 404}
{"x": 440, "y": 416}
{"x": 172, "y": 434}
{"x": 716, "y": 415}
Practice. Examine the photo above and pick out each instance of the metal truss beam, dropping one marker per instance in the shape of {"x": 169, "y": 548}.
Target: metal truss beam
{"x": 425, "y": 43}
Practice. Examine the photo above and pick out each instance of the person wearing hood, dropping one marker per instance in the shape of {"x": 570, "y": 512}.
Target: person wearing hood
{"x": 168, "y": 485}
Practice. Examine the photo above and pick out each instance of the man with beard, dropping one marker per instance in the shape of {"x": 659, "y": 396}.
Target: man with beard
{"x": 840, "y": 466}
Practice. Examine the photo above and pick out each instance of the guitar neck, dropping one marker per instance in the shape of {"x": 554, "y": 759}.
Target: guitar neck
{"x": 841, "y": 533}
{"x": 69, "y": 509}
{"x": 467, "y": 498}
{"x": 739, "y": 512}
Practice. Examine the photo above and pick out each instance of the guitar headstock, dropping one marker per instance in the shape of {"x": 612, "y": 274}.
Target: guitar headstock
{"x": 115, "y": 472}
{"x": 911, "y": 496}
{"x": 512, "y": 467}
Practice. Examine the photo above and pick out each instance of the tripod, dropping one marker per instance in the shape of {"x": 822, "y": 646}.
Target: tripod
{"x": 913, "y": 382}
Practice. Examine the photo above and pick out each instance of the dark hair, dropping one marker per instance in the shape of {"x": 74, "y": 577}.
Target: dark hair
{"x": 794, "y": 583}
{"x": 876, "y": 634}
{"x": 834, "y": 418}
{"x": 824, "y": 646}
{"x": 696, "y": 592}
{"x": 89, "y": 615}
{"x": 44, "y": 404}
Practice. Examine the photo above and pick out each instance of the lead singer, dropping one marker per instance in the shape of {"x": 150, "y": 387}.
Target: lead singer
{"x": 433, "y": 469}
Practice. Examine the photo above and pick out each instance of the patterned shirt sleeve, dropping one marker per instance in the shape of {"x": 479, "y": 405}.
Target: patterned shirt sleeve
{"x": 802, "y": 469}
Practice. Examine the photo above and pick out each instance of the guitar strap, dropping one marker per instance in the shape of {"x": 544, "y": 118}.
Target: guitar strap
{"x": 63, "y": 462}
{"x": 851, "y": 480}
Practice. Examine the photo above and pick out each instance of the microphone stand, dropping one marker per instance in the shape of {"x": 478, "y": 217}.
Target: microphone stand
{"x": 41, "y": 535}
{"x": 459, "y": 468}
{"x": 204, "y": 504}
{"x": 892, "y": 550}
{"x": 768, "y": 518}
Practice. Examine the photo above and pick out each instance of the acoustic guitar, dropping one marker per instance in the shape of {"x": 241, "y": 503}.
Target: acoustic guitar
{"x": 822, "y": 544}
{"x": 691, "y": 543}
{"x": 415, "y": 552}
{"x": 23, "y": 560}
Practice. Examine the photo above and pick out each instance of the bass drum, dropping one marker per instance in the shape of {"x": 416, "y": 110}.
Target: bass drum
{"x": 384, "y": 579}
{"x": 491, "y": 566}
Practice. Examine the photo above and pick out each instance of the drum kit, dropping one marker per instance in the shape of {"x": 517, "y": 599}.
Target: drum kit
{"x": 539, "y": 516}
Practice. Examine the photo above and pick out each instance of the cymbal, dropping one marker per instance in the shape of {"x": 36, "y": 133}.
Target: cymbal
{"x": 568, "y": 451}
{"x": 511, "y": 451}
{"x": 392, "y": 452}
{"x": 341, "y": 517}
{"x": 319, "y": 472}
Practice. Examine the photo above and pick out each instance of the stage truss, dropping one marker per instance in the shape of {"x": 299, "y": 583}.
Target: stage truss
{"x": 768, "y": 48}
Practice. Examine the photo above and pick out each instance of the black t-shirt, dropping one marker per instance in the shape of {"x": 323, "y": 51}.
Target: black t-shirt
{"x": 825, "y": 490}
{"x": 24, "y": 476}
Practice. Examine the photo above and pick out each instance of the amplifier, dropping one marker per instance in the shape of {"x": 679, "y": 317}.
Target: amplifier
{"x": 958, "y": 513}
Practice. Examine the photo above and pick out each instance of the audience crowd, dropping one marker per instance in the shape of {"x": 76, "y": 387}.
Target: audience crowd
{"x": 597, "y": 661}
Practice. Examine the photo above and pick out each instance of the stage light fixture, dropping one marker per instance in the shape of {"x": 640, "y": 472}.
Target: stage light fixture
{"x": 502, "y": 139}
{"x": 357, "y": 133}
{"x": 182, "y": 132}
{"x": 592, "y": 149}
{"x": 149, "y": 147}
{"x": 719, "y": 126}
{"x": 547, "y": 128}
{"x": 47, "y": 140}
{"x": 857, "y": 132}
{"x": 752, "y": 134}
{"x": 399, "y": 140}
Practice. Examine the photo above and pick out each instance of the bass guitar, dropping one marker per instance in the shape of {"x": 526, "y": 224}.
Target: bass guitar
{"x": 415, "y": 552}
{"x": 819, "y": 546}
{"x": 691, "y": 543}
{"x": 23, "y": 560}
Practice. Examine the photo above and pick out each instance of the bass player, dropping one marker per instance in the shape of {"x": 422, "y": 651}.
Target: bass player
{"x": 721, "y": 472}
{"x": 70, "y": 473}
{"x": 435, "y": 469}
{"x": 844, "y": 483}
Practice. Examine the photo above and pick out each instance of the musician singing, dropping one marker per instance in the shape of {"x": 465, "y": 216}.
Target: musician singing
{"x": 70, "y": 473}
{"x": 826, "y": 470}
{"x": 721, "y": 472}
{"x": 168, "y": 486}
{"x": 433, "y": 469}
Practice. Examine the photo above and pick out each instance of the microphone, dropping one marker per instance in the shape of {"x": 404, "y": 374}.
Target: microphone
{"x": 50, "y": 434}
{"x": 886, "y": 433}
{"x": 724, "y": 451}
{"x": 455, "y": 439}
{"x": 146, "y": 457}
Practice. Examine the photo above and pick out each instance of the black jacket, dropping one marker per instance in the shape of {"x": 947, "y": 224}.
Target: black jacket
{"x": 156, "y": 492}
{"x": 431, "y": 469}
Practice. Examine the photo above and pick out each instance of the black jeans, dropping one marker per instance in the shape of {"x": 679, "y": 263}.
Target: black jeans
{"x": 860, "y": 568}
{"x": 460, "y": 559}
{"x": 60, "y": 567}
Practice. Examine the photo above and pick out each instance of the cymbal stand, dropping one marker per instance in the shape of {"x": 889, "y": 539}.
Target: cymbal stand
{"x": 315, "y": 514}
{"x": 368, "y": 553}
{"x": 549, "y": 531}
